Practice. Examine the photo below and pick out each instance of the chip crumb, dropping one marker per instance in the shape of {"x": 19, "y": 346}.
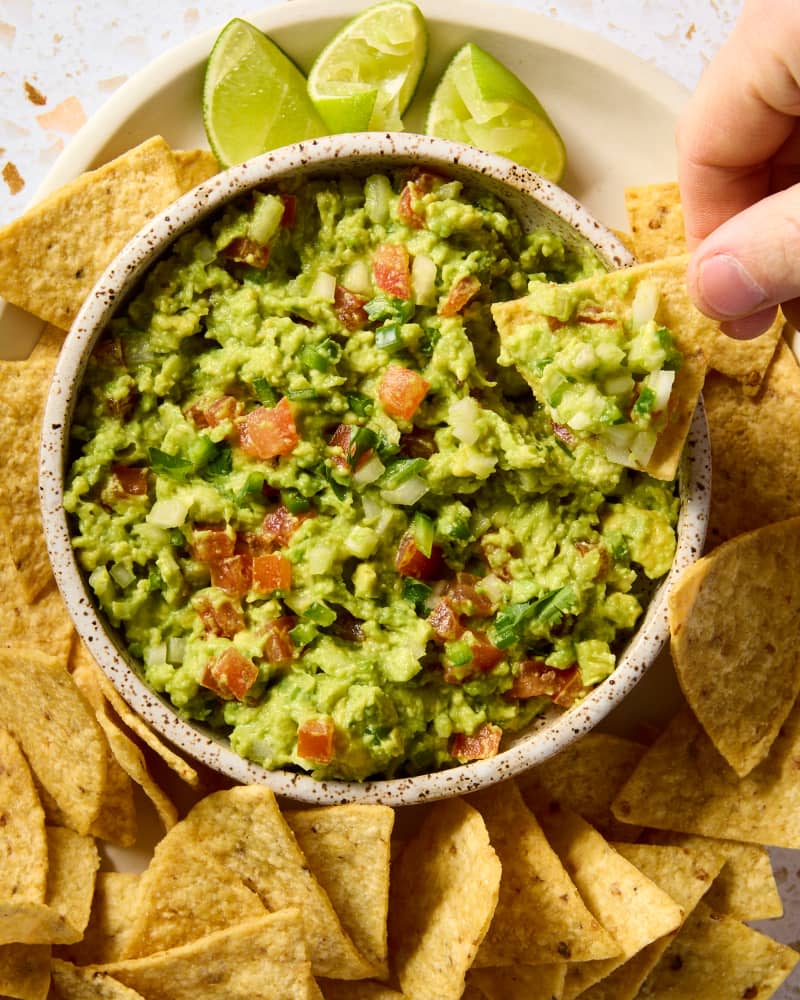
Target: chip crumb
{"x": 34, "y": 95}
{"x": 13, "y": 178}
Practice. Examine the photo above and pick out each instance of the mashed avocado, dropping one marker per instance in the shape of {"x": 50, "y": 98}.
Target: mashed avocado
{"x": 324, "y": 520}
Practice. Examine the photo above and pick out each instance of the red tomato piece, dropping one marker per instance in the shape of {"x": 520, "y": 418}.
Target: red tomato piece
{"x": 485, "y": 655}
{"x": 289, "y": 216}
{"x": 315, "y": 740}
{"x": 536, "y": 679}
{"x": 341, "y": 439}
{"x": 406, "y": 211}
{"x": 483, "y": 743}
{"x": 349, "y": 308}
{"x": 212, "y": 546}
{"x": 401, "y": 391}
{"x": 221, "y": 619}
{"x": 271, "y": 572}
{"x": 278, "y": 646}
{"x": 281, "y": 524}
{"x": 569, "y": 686}
{"x": 234, "y": 575}
{"x": 230, "y": 675}
{"x": 409, "y": 561}
{"x": 246, "y": 251}
{"x": 462, "y": 292}
{"x": 466, "y": 599}
{"x": 445, "y": 622}
{"x": 132, "y": 481}
{"x": 269, "y": 432}
{"x": 391, "y": 270}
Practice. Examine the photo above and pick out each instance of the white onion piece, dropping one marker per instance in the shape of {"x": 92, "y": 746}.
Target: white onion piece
{"x": 423, "y": 280}
{"x": 357, "y": 279}
{"x": 176, "y": 649}
{"x": 406, "y": 493}
{"x": 168, "y": 513}
{"x": 324, "y": 287}
{"x": 643, "y": 446}
{"x": 155, "y": 654}
{"x": 463, "y": 418}
{"x": 373, "y": 508}
{"x": 661, "y": 383}
{"x": 367, "y": 473}
{"x": 645, "y": 304}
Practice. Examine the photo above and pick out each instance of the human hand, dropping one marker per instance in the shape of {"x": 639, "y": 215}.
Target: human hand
{"x": 739, "y": 167}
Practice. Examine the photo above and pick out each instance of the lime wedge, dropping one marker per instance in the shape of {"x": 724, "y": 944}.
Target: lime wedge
{"x": 481, "y": 102}
{"x": 365, "y": 77}
{"x": 254, "y": 97}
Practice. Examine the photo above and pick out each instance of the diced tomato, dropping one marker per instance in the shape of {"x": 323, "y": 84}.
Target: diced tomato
{"x": 281, "y": 524}
{"x": 271, "y": 572}
{"x": 401, "y": 391}
{"x": 250, "y": 543}
{"x": 246, "y": 251}
{"x": 466, "y": 599}
{"x": 212, "y": 413}
{"x": 485, "y": 655}
{"x": 419, "y": 442}
{"x": 289, "y": 216}
{"x": 220, "y": 619}
{"x": 230, "y": 675}
{"x": 269, "y": 432}
{"x": 462, "y": 292}
{"x": 536, "y": 679}
{"x": 570, "y": 686}
{"x": 409, "y": 561}
{"x": 234, "y": 575}
{"x": 315, "y": 740}
{"x": 341, "y": 439}
{"x": 391, "y": 270}
{"x": 483, "y": 743}
{"x": 278, "y": 646}
{"x": 445, "y": 622}
{"x": 406, "y": 211}
{"x": 132, "y": 480}
{"x": 212, "y": 546}
{"x": 349, "y": 308}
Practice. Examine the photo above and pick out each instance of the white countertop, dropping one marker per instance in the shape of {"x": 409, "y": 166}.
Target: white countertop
{"x": 59, "y": 61}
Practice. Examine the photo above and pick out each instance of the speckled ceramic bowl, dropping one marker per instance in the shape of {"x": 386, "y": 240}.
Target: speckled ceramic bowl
{"x": 536, "y": 202}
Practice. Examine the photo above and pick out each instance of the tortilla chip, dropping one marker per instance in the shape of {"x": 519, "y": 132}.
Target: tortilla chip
{"x": 194, "y": 166}
{"x": 655, "y": 215}
{"x": 23, "y": 842}
{"x": 745, "y": 888}
{"x": 48, "y": 346}
{"x": 71, "y": 983}
{"x": 44, "y": 622}
{"x": 717, "y": 958}
{"x": 749, "y": 453}
{"x": 685, "y": 875}
{"x": 25, "y": 971}
{"x": 57, "y": 731}
{"x": 682, "y": 783}
{"x": 540, "y": 916}
{"x": 25, "y": 386}
{"x": 62, "y": 918}
{"x": 445, "y": 888}
{"x": 244, "y": 830}
{"x": 116, "y": 822}
{"x": 348, "y": 846}
{"x": 623, "y": 899}
{"x": 125, "y": 752}
{"x": 732, "y": 617}
{"x": 138, "y": 727}
{"x": 184, "y": 894}
{"x": 51, "y": 257}
{"x": 520, "y": 982}
{"x": 586, "y": 776}
{"x": 114, "y": 905}
{"x": 336, "y": 989}
{"x": 262, "y": 957}
{"x": 615, "y": 291}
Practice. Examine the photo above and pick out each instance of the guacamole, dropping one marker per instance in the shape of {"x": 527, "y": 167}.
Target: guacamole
{"x": 324, "y": 520}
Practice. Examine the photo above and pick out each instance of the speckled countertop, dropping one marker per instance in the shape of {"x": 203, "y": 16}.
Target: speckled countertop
{"x": 60, "y": 61}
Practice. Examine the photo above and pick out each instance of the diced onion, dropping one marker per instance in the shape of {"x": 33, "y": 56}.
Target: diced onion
{"x": 168, "y": 513}
{"x": 618, "y": 442}
{"x": 324, "y": 287}
{"x": 361, "y": 542}
{"x": 643, "y": 446}
{"x": 423, "y": 280}
{"x": 155, "y": 654}
{"x": 493, "y": 587}
{"x": 618, "y": 385}
{"x": 367, "y": 473}
{"x": 372, "y": 507}
{"x": 122, "y": 574}
{"x": 661, "y": 383}
{"x": 320, "y": 560}
{"x": 357, "y": 279}
{"x": 645, "y": 304}
{"x": 176, "y": 649}
{"x": 463, "y": 417}
{"x": 406, "y": 493}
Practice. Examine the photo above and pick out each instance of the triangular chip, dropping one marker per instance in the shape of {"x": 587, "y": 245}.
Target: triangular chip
{"x": 71, "y": 983}
{"x": 625, "y": 901}
{"x": 578, "y": 346}
{"x": 114, "y": 906}
{"x": 520, "y": 982}
{"x": 42, "y": 707}
{"x": 244, "y": 830}
{"x": 24, "y": 971}
{"x": 186, "y": 893}
{"x": 715, "y": 957}
{"x": 337, "y": 989}
{"x": 23, "y": 842}
{"x": 755, "y": 467}
{"x": 733, "y": 618}
{"x": 348, "y": 846}
{"x": 264, "y": 957}
{"x": 51, "y": 256}
{"x": 194, "y": 166}
{"x": 540, "y": 916}
{"x": 682, "y": 783}
{"x": 445, "y": 887}
{"x": 45, "y": 622}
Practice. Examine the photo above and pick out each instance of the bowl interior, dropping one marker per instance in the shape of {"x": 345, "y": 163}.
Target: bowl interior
{"x": 535, "y": 202}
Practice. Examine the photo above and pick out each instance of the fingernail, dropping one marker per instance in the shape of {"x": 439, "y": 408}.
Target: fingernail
{"x": 727, "y": 287}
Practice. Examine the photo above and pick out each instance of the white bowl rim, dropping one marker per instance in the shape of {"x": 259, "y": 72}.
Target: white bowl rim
{"x": 553, "y": 732}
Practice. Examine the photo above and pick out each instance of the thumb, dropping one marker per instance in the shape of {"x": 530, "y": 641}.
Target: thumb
{"x": 750, "y": 264}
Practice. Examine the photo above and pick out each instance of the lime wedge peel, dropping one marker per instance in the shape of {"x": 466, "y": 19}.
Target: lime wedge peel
{"x": 481, "y": 102}
{"x": 254, "y": 97}
{"x": 367, "y": 74}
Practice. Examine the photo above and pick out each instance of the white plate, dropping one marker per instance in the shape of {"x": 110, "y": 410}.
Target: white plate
{"x": 616, "y": 113}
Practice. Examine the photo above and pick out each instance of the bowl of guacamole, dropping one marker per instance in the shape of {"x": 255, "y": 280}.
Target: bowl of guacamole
{"x": 311, "y": 525}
